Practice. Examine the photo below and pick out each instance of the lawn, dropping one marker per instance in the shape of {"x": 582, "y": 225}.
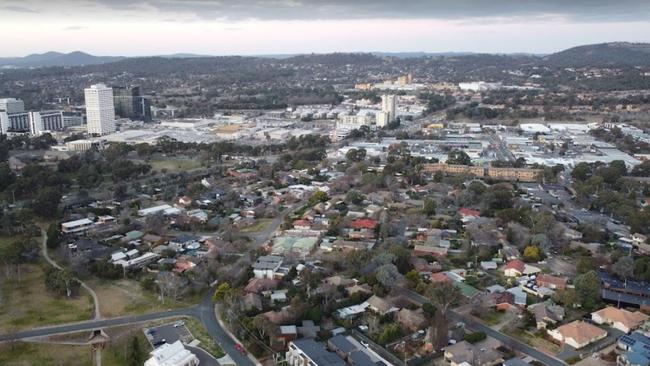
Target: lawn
{"x": 174, "y": 165}
{"x": 259, "y": 225}
{"x": 207, "y": 342}
{"x": 25, "y": 303}
{"x": 493, "y": 317}
{"x": 535, "y": 341}
{"x": 126, "y": 297}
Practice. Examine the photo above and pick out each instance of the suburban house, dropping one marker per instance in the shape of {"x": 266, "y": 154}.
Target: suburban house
{"x": 380, "y": 306}
{"x": 465, "y": 353}
{"x": 77, "y": 226}
{"x": 516, "y": 268}
{"x": 308, "y": 352}
{"x": 577, "y": 334}
{"x": 546, "y": 314}
{"x": 621, "y": 319}
{"x": 552, "y": 282}
{"x": 362, "y": 229}
{"x": 266, "y": 266}
{"x": 173, "y": 354}
{"x": 468, "y": 214}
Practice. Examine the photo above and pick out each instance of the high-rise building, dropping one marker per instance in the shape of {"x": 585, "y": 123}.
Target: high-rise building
{"x": 382, "y": 119}
{"x": 100, "y": 111}
{"x": 130, "y": 103}
{"x": 389, "y": 105}
{"x": 40, "y": 122}
{"x": 13, "y": 117}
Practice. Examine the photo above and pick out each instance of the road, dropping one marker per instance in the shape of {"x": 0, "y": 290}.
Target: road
{"x": 204, "y": 312}
{"x": 475, "y": 325}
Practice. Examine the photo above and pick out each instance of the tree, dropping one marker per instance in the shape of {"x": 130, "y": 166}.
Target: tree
{"x": 442, "y": 295}
{"x": 587, "y": 288}
{"x": 120, "y": 192}
{"x": 624, "y": 267}
{"x": 61, "y": 282}
{"x": 413, "y": 277}
{"x": 429, "y": 207}
{"x": 354, "y": 197}
{"x": 458, "y": 157}
{"x": 532, "y": 253}
{"x": 135, "y": 352}
{"x": 356, "y": 155}
{"x": 387, "y": 274}
{"x": 46, "y": 203}
{"x": 53, "y": 236}
{"x": 318, "y": 197}
{"x": 222, "y": 292}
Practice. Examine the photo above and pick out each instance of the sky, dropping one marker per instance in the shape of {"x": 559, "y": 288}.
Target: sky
{"x": 264, "y": 27}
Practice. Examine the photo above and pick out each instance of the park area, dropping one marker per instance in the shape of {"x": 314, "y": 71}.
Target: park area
{"x": 174, "y": 165}
{"x": 25, "y": 302}
{"x": 126, "y": 297}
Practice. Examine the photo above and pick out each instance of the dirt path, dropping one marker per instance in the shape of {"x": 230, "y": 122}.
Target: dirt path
{"x": 57, "y": 266}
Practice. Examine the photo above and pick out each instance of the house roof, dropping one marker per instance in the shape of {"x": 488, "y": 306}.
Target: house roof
{"x": 580, "y": 331}
{"x": 557, "y": 281}
{"x": 257, "y": 285}
{"x": 364, "y": 224}
{"x": 516, "y": 264}
{"x": 628, "y": 318}
{"x": 464, "y": 211}
{"x": 381, "y": 305}
{"x": 318, "y": 353}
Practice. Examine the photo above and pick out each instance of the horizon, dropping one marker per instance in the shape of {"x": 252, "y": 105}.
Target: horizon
{"x": 255, "y": 27}
{"x": 271, "y": 55}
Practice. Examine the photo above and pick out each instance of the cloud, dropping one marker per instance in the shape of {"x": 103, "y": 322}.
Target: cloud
{"x": 18, "y": 9}
{"x": 580, "y": 10}
{"x": 73, "y": 28}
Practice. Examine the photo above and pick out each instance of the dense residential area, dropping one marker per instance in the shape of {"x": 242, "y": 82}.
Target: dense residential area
{"x": 328, "y": 209}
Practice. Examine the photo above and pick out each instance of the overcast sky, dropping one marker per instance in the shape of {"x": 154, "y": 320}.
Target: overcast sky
{"x": 249, "y": 27}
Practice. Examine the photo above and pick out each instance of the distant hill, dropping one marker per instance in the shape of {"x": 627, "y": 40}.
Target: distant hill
{"x": 48, "y": 59}
{"x": 603, "y": 54}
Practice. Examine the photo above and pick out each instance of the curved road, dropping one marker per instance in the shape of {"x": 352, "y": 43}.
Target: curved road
{"x": 204, "y": 312}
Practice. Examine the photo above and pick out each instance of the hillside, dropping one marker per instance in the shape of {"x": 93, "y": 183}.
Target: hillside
{"x": 603, "y": 54}
{"x": 56, "y": 59}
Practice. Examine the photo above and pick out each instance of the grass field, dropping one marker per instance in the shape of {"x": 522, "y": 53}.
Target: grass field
{"x": 259, "y": 225}
{"x": 117, "y": 352}
{"x": 175, "y": 165}
{"x": 126, "y": 297}
{"x": 25, "y": 303}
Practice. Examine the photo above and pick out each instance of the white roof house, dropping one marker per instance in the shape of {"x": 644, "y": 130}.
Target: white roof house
{"x": 77, "y": 226}
{"x": 173, "y": 354}
{"x": 154, "y": 210}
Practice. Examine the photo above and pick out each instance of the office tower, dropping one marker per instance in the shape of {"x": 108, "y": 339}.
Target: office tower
{"x": 382, "y": 119}
{"x": 130, "y": 103}
{"x": 389, "y": 105}
{"x": 100, "y": 111}
{"x": 43, "y": 121}
{"x": 13, "y": 117}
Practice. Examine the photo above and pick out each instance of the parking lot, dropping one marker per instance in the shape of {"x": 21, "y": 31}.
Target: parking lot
{"x": 170, "y": 333}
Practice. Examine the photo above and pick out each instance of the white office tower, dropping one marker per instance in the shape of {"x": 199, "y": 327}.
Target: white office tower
{"x": 45, "y": 121}
{"x": 100, "y": 111}
{"x": 389, "y": 105}
{"x": 382, "y": 119}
